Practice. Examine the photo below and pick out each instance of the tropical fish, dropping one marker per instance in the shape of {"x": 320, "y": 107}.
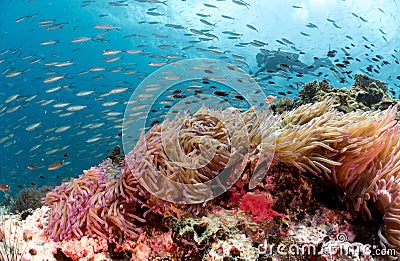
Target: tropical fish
{"x": 64, "y": 64}
{"x": 105, "y": 27}
{"x": 13, "y": 74}
{"x": 118, "y": 90}
{"x": 76, "y": 107}
{"x": 51, "y": 42}
{"x": 4, "y": 187}
{"x": 53, "y": 79}
{"x": 311, "y": 25}
{"x": 55, "y": 165}
{"x": 157, "y": 64}
{"x": 81, "y": 39}
{"x": 154, "y": 14}
{"x": 240, "y": 2}
{"x": 84, "y": 93}
{"x": 12, "y": 98}
{"x": 32, "y": 167}
{"x": 111, "y": 60}
{"x": 210, "y": 5}
{"x": 252, "y": 27}
{"x": 270, "y": 99}
{"x": 108, "y": 104}
{"x": 33, "y": 126}
{"x": 111, "y": 52}
{"x": 93, "y": 140}
{"x": 202, "y": 15}
{"x": 62, "y": 129}
{"x": 117, "y": 4}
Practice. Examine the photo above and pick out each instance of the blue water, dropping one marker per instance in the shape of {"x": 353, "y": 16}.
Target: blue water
{"x": 357, "y": 30}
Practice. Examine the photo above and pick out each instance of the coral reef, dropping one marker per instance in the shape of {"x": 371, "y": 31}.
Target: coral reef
{"x": 354, "y": 153}
{"x": 219, "y": 235}
{"x": 33, "y": 243}
{"x": 365, "y": 94}
{"x": 116, "y": 156}
{"x": 282, "y": 105}
{"x": 29, "y": 199}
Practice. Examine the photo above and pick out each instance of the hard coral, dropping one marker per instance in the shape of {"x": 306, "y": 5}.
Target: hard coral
{"x": 29, "y": 199}
{"x": 221, "y": 234}
{"x": 366, "y": 94}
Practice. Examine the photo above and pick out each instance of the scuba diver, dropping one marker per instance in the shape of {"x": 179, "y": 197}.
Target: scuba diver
{"x": 275, "y": 60}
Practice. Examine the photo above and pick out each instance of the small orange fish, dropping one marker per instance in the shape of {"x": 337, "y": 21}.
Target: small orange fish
{"x": 270, "y": 99}
{"x": 4, "y": 187}
{"x": 55, "y": 166}
{"x": 32, "y": 167}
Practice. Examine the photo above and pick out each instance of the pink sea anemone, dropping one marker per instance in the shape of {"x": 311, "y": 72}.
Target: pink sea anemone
{"x": 95, "y": 204}
{"x": 111, "y": 202}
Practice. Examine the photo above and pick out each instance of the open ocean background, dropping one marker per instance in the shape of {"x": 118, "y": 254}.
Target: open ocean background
{"x": 41, "y": 122}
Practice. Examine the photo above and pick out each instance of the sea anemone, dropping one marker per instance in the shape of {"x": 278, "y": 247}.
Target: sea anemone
{"x": 96, "y": 203}
{"x": 195, "y": 158}
{"x": 358, "y": 152}
{"x": 185, "y": 160}
{"x": 191, "y": 159}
